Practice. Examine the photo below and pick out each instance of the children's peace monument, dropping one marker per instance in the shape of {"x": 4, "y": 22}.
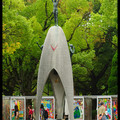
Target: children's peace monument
{"x": 55, "y": 64}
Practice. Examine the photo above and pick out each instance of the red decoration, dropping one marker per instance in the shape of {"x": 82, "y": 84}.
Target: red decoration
{"x": 53, "y": 48}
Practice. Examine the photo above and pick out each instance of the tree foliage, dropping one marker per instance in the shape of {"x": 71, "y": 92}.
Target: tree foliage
{"x": 91, "y": 26}
{"x": 113, "y": 79}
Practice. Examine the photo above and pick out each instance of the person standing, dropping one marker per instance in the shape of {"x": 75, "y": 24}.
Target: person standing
{"x": 101, "y": 112}
{"x": 45, "y": 114}
{"x": 42, "y": 111}
{"x": 16, "y": 112}
{"x": 30, "y": 114}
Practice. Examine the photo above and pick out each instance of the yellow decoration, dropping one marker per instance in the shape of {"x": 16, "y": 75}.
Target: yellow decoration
{"x": 18, "y": 103}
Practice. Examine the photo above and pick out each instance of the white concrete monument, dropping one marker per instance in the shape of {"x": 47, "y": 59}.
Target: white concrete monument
{"x": 55, "y": 63}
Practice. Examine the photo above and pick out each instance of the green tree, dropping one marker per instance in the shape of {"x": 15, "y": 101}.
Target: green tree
{"x": 113, "y": 78}
{"x": 91, "y": 29}
{"x": 19, "y": 50}
{"x": 96, "y": 4}
{"x": 105, "y": 43}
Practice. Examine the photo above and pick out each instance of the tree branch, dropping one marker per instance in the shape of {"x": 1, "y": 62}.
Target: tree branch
{"x": 34, "y": 92}
{"x": 74, "y": 31}
{"x": 92, "y": 75}
{"x": 45, "y": 23}
{"x": 85, "y": 49}
{"x": 34, "y": 86}
{"x": 47, "y": 18}
{"x": 77, "y": 27}
{"x": 102, "y": 72}
{"x": 14, "y": 69}
{"x": 116, "y": 47}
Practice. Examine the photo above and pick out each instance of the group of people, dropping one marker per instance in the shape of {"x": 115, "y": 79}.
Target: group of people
{"x": 43, "y": 113}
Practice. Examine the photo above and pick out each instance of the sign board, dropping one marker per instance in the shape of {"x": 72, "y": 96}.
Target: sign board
{"x": 49, "y": 105}
{"x": 114, "y": 109}
{"x": 78, "y": 108}
{"x": 20, "y": 102}
{"x": 108, "y": 106}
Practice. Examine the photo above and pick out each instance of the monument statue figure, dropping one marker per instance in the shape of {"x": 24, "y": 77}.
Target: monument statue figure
{"x": 72, "y": 50}
{"x": 55, "y": 11}
{"x": 39, "y": 46}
